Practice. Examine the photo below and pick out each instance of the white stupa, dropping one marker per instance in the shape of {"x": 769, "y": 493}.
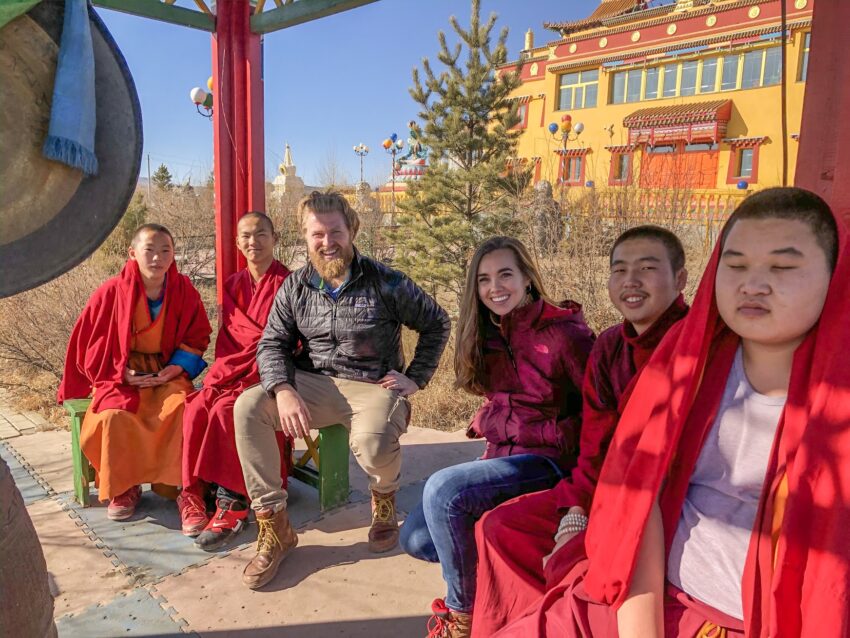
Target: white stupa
{"x": 288, "y": 183}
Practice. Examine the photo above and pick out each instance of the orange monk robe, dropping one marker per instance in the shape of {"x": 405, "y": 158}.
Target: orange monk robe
{"x": 133, "y": 435}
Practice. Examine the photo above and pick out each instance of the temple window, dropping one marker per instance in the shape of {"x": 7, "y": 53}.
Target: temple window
{"x": 804, "y": 57}
{"x": 744, "y": 159}
{"x": 671, "y": 72}
{"x": 745, "y": 162}
{"x": 621, "y": 169}
{"x": 708, "y": 77}
{"x": 578, "y": 90}
{"x": 652, "y": 76}
{"x": 688, "y": 82}
{"x": 751, "y": 69}
{"x": 729, "y": 79}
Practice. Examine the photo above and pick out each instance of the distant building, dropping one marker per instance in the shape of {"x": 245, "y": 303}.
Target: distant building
{"x": 681, "y": 95}
{"x": 288, "y": 183}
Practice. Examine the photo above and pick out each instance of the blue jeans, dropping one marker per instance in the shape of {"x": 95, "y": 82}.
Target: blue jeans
{"x": 441, "y": 529}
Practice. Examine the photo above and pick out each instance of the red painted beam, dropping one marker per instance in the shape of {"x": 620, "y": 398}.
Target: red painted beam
{"x": 823, "y": 163}
{"x": 237, "y": 130}
{"x": 225, "y": 250}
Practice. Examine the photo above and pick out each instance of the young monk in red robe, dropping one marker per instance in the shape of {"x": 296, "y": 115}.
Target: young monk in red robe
{"x": 209, "y": 446}
{"x": 724, "y": 503}
{"x": 516, "y": 539}
{"x": 135, "y": 348}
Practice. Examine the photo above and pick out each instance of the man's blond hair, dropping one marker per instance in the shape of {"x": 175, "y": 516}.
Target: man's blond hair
{"x": 331, "y": 202}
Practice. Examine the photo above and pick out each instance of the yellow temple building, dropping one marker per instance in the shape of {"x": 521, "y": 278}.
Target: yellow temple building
{"x": 683, "y": 94}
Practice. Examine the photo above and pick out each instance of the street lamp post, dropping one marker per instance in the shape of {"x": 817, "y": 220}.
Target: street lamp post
{"x": 362, "y": 151}
{"x": 392, "y": 145}
{"x": 562, "y": 135}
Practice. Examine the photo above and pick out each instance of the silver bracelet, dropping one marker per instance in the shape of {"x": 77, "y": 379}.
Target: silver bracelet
{"x": 571, "y": 524}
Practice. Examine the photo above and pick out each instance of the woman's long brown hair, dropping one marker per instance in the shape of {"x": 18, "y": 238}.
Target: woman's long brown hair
{"x": 469, "y": 340}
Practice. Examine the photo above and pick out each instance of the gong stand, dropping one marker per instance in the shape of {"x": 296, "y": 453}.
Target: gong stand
{"x": 237, "y": 30}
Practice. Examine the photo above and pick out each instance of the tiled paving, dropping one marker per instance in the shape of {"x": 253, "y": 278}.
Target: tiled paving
{"x": 143, "y": 578}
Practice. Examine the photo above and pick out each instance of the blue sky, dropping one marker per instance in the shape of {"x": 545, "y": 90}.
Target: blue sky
{"x": 329, "y": 84}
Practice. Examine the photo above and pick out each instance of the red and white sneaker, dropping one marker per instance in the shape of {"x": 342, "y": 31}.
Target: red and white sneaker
{"x": 123, "y": 506}
{"x": 446, "y": 623}
{"x": 226, "y": 523}
{"x": 193, "y": 513}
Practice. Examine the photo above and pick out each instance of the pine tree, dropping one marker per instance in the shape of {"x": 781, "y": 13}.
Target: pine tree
{"x": 162, "y": 178}
{"x": 462, "y": 198}
{"x": 119, "y": 240}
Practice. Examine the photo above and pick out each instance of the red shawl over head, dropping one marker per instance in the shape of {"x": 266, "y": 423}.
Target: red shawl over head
{"x": 99, "y": 347}
{"x": 243, "y": 317}
{"x": 806, "y": 591}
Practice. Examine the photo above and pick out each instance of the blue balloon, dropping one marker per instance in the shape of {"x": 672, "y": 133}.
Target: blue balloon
{"x": 393, "y": 137}
{"x": 553, "y": 128}
{"x": 590, "y": 184}
{"x": 742, "y": 185}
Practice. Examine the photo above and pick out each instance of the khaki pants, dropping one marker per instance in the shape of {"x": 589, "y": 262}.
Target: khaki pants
{"x": 375, "y": 418}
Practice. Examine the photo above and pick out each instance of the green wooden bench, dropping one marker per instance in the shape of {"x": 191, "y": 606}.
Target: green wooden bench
{"x": 83, "y": 471}
{"x": 328, "y": 452}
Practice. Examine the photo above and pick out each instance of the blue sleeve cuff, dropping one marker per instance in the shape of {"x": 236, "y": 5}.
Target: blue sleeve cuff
{"x": 191, "y": 363}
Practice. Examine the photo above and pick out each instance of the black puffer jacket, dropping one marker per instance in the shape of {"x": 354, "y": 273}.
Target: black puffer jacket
{"x": 358, "y": 336}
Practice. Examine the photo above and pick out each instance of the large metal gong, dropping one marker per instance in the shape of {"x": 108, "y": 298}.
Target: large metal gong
{"x": 52, "y": 216}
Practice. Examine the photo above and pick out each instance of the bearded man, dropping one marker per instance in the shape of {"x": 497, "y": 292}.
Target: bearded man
{"x": 345, "y": 311}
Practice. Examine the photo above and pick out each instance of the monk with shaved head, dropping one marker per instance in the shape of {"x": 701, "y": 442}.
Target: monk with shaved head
{"x": 134, "y": 350}
{"x": 210, "y": 460}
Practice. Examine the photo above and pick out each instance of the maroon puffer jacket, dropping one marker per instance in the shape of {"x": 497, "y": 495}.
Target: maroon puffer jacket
{"x": 534, "y": 366}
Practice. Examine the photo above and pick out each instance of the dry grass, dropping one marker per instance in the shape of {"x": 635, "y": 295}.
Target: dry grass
{"x": 440, "y": 406}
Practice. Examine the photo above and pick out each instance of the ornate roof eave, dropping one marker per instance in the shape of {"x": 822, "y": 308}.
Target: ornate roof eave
{"x": 574, "y": 152}
{"x": 678, "y": 114}
{"x": 746, "y": 142}
{"x": 725, "y": 37}
{"x": 515, "y": 63}
{"x": 523, "y": 99}
{"x": 606, "y": 10}
{"x": 621, "y": 148}
{"x": 644, "y": 23}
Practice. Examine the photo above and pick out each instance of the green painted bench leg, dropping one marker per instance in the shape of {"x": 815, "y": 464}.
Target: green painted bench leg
{"x": 333, "y": 468}
{"x": 83, "y": 471}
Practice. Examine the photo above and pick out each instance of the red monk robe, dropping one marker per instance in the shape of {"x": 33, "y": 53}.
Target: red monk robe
{"x": 513, "y": 538}
{"x": 209, "y": 445}
{"x": 796, "y": 580}
{"x": 131, "y": 435}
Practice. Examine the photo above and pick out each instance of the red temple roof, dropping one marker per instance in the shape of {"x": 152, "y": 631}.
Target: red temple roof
{"x": 607, "y": 9}
{"x": 695, "y": 112}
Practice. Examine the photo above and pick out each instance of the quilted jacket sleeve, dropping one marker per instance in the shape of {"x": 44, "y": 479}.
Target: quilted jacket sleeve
{"x": 419, "y": 311}
{"x": 274, "y": 350}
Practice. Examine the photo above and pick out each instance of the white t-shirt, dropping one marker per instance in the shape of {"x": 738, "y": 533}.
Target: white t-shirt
{"x": 710, "y": 546}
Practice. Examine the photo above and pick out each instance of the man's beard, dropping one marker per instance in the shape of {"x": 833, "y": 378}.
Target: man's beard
{"x": 333, "y": 268}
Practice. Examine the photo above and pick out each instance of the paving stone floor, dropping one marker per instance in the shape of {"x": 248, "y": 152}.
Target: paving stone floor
{"x": 142, "y": 577}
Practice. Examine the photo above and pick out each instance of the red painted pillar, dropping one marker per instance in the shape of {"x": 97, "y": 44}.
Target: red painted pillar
{"x": 823, "y": 163}
{"x": 237, "y": 130}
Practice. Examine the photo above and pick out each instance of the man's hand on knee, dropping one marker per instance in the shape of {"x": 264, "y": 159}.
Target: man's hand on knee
{"x": 294, "y": 415}
{"x": 395, "y": 380}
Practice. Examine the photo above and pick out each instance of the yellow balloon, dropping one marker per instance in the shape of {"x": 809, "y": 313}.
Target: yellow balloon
{"x": 210, "y": 83}
{"x": 566, "y": 127}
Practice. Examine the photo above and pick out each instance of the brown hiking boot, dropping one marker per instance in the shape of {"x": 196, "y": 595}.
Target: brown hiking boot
{"x": 383, "y": 534}
{"x": 275, "y": 539}
{"x": 446, "y": 623}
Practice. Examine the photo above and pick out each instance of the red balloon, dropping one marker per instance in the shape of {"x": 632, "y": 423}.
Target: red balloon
{"x": 567, "y": 118}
